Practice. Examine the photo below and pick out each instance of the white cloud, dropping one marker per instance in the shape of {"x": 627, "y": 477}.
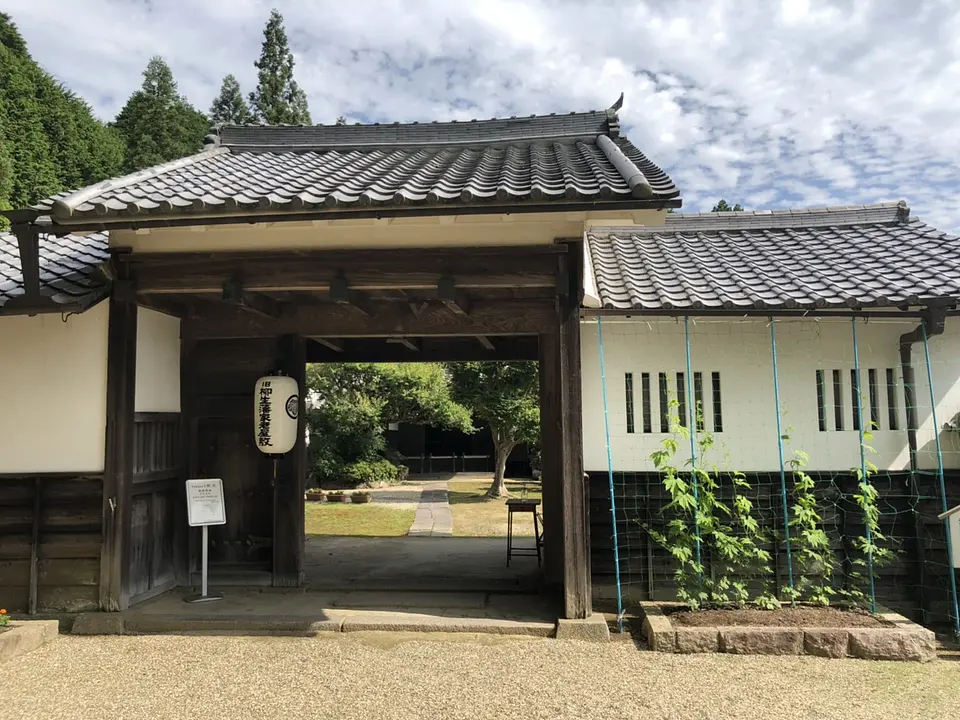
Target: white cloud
{"x": 801, "y": 102}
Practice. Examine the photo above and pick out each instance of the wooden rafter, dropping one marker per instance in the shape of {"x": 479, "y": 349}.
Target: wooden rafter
{"x": 335, "y": 345}
{"x": 485, "y": 341}
{"x": 233, "y": 293}
{"x": 409, "y": 343}
{"x": 342, "y": 294}
{"x": 453, "y": 298}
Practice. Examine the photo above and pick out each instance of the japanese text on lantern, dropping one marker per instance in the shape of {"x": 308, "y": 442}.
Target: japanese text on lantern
{"x": 263, "y": 430}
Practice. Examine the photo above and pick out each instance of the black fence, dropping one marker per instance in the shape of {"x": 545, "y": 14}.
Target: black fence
{"x": 915, "y": 582}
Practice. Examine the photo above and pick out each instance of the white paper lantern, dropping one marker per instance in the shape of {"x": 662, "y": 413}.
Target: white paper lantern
{"x": 276, "y": 405}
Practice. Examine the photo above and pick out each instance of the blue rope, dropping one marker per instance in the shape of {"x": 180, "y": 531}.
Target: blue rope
{"x": 943, "y": 489}
{"x": 783, "y": 474}
{"x": 613, "y": 502}
{"x": 692, "y": 427}
{"x": 863, "y": 463}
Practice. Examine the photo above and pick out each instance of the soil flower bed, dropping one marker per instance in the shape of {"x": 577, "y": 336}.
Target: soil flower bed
{"x": 806, "y": 630}
{"x": 802, "y": 616}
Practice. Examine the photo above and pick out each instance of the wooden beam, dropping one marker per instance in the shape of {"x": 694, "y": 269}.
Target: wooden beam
{"x": 417, "y": 307}
{"x": 408, "y": 343}
{"x": 551, "y": 450}
{"x": 342, "y": 294}
{"x": 431, "y": 350}
{"x": 485, "y": 341}
{"x": 576, "y": 535}
{"x": 367, "y": 270}
{"x": 118, "y": 469}
{"x": 335, "y": 345}
{"x": 28, "y": 242}
{"x": 233, "y": 293}
{"x": 512, "y": 317}
{"x": 290, "y": 483}
{"x": 453, "y": 298}
{"x": 35, "y": 547}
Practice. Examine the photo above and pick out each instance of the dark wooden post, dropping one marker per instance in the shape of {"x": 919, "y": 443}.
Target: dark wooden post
{"x": 577, "y": 587}
{"x": 290, "y": 483}
{"x": 188, "y": 460}
{"x": 551, "y": 442}
{"x": 118, "y": 460}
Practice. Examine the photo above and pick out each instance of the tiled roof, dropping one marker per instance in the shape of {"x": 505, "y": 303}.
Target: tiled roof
{"x": 842, "y": 257}
{"x": 537, "y": 161}
{"x": 68, "y": 269}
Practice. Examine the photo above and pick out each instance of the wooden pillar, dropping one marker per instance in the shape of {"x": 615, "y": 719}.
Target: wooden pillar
{"x": 551, "y": 442}
{"x": 577, "y": 586}
{"x": 290, "y": 483}
{"x": 118, "y": 460}
{"x": 189, "y": 459}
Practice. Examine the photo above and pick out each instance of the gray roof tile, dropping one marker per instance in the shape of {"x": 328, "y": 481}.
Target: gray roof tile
{"x": 67, "y": 268}
{"x": 509, "y": 162}
{"x": 864, "y": 256}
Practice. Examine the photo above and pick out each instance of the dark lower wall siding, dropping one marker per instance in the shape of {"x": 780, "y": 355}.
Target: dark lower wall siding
{"x": 916, "y": 583}
{"x": 68, "y": 532}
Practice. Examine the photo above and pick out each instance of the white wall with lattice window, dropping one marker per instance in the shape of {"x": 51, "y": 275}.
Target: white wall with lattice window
{"x": 740, "y": 352}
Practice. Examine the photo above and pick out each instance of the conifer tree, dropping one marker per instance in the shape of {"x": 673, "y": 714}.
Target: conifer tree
{"x": 278, "y": 99}
{"x": 229, "y": 107}
{"x": 158, "y": 124}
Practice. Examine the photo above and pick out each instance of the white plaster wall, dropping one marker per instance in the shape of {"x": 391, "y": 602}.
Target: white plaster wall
{"x": 158, "y": 362}
{"x": 53, "y": 415}
{"x": 741, "y": 351}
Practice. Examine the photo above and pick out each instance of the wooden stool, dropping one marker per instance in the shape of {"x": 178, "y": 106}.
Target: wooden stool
{"x": 522, "y": 505}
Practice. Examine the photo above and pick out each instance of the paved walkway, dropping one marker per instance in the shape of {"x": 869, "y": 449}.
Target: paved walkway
{"x": 433, "y": 518}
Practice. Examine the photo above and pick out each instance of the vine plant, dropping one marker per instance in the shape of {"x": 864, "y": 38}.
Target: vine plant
{"x": 724, "y": 531}
{"x": 870, "y": 544}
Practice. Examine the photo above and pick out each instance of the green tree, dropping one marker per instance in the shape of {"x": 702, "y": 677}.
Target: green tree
{"x": 278, "y": 99}
{"x": 229, "y": 107}
{"x": 352, "y": 403}
{"x": 49, "y": 139}
{"x": 507, "y": 396}
{"x": 724, "y": 206}
{"x": 157, "y": 123}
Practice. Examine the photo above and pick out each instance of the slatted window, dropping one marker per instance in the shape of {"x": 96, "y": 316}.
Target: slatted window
{"x": 821, "y": 402}
{"x": 645, "y": 402}
{"x": 698, "y": 399}
{"x": 664, "y": 403}
{"x": 682, "y": 399}
{"x": 874, "y": 394}
{"x": 628, "y": 381}
{"x": 893, "y": 413}
{"x": 717, "y": 409}
{"x": 837, "y": 400}
{"x": 855, "y": 398}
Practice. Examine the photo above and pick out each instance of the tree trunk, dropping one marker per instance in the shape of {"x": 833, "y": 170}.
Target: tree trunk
{"x": 503, "y": 444}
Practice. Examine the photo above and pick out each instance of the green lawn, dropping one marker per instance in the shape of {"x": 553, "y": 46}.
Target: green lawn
{"x": 367, "y": 520}
{"x": 475, "y": 515}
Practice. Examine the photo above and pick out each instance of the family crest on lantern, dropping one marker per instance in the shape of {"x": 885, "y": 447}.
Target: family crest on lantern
{"x": 276, "y": 410}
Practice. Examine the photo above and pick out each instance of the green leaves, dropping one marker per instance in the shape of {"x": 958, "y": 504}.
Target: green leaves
{"x": 278, "y": 99}
{"x": 157, "y": 124}
{"x": 229, "y": 107}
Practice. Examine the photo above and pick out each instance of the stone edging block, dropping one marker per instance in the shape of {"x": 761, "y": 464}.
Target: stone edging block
{"x": 26, "y": 636}
{"x": 905, "y": 641}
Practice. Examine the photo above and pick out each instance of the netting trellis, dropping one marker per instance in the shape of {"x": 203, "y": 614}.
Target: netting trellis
{"x": 778, "y": 414}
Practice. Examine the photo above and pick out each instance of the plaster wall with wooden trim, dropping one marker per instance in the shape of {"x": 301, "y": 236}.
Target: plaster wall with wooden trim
{"x": 740, "y": 351}
{"x": 392, "y": 233}
{"x": 158, "y": 362}
{"x": 54, "y": 405}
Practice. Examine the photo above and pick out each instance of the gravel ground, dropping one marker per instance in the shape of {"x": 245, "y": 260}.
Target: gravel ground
{"x": 386, "y": 676}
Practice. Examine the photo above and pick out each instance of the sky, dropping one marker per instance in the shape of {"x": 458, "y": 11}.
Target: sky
{"x": 769, "y": 103}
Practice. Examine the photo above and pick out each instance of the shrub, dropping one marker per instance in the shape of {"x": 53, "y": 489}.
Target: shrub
{"x": 373, "y": 473}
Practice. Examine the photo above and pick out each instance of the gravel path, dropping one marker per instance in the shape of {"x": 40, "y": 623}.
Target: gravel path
{"x": 388, "y": 676}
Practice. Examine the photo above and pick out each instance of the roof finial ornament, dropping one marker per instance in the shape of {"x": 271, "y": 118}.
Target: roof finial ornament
{"x": 617, "y": 105}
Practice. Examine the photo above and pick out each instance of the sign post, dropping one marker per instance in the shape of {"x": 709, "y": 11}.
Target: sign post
{"x": 205, "y": 507}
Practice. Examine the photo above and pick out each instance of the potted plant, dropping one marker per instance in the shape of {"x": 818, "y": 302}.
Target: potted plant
{"x": 315, "y": 495}
{"x": 361, "y": 497}
{"x": 338, "y": 496}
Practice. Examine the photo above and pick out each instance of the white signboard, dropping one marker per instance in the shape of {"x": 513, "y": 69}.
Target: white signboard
{"x": 205, "y": 502}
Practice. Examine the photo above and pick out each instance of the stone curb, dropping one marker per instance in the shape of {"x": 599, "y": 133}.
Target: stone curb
{"x": 26, "y": 636}
{"x": 906, "y": 641}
